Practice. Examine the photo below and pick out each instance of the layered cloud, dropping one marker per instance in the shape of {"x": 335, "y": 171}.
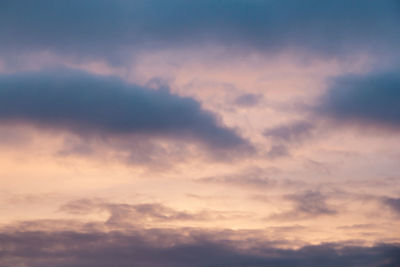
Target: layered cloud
{"x": 182, "y": 247}
{"x": 278, "y": 86}
{"x": 108, "y": 29}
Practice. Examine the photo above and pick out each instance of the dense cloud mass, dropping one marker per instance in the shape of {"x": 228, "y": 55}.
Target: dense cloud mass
{"x": 95, "y": 105}
{"x": 371, "y": 100}
{"x": 105, "y": 29}
{"x": 160, "y": 247}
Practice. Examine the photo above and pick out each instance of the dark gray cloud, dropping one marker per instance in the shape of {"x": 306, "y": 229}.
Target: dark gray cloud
{"x": 167, "y": 247}
{"x": 370, "y": 100}
{"x": 90, "y": 106}
{"x": 308, "y": 204}
{"x": 108, "y": 28}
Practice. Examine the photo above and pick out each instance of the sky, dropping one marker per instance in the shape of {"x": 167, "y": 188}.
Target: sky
{"x": 199, "y": 133}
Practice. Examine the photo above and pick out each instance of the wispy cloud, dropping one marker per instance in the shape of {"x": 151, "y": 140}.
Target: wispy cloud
{"x": 135, "y": 214}
{"x": 393, "y": 203}
{"x": 306, "y": 205}
{"x": 285, "y": 136}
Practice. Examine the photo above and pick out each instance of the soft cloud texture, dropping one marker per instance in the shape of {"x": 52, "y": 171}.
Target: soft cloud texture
{"x": 252, "y": 178}
{"x": 163, "y": 247}
{"x": 109, "y": 29}
{"x": 248, "y": 100}
{"x": 370, "y": 100}
{"x": 90, "y": 105}
{"x": 393, "y": 203}
{"x": 234, "y": 121}
{"x": 307, "y": 204}
{"x": 121, "y": 214}
{"x": 287, "y": 135}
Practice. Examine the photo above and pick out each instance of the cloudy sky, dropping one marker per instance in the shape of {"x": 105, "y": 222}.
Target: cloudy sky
{"x": 199, "y": 133}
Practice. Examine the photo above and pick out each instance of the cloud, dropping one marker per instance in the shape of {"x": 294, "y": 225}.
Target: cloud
{"x": 248, "y": 100}
{"x": 180, "y": 247}
{"x": 393, "y": 203}
{"x": 294, "y": 132}
{"x": 311, "y": 202}
{"x": 286, "y": 135}
{"x": 122, "y": 214}
{"x": 95, "y": 107}
{"x": 108, "y": 29}
{"x": 308, "y": 204}
{"x": 318, "y": 167}
{"x": 252, "y": 177}
{"x": 367, "y": 100}
{"x": 278, "y": 151}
